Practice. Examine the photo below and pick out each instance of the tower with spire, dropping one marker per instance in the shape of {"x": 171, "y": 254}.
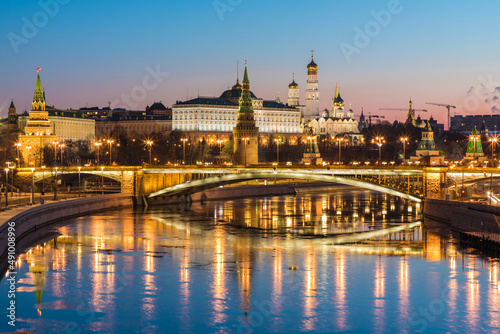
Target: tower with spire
{"x": 293, "y": 93}
{"x": 337, "y": 104}
{"x": 12, "y": 116}
{"x": 245, "y": 133}
{"x": 410, "y": 118}
{"x": 312, "y": 92}
{"x": 38, "y": 132}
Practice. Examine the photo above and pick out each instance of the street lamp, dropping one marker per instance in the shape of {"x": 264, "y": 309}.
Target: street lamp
{"x": 184, "y": 140}
{"x": 55, "y": 186}
{"x": 339, "y": 142}
{"x": 379, "y": 141}
{"x": 98, "y": 144}
{"x": 102, "y": 180}
{"x": 43, "y": 180}
{"x": 32, "y": 200}
{"x": 404, "y": 140}
{"x": 150, "y": 143}
{"x": 110, "y": 141}
{"x": 62, "y": 148}
{"x": 55, "y": 143}
{"x": 493, "y": 141}
{"x": 6, "y": 187}
{"x": 278, "y": 142}
{"x": 219, "y": 141}
{"x": 246, "y": 139}
{"x": 79, "y": 186}
{"x": 17, "y": 145}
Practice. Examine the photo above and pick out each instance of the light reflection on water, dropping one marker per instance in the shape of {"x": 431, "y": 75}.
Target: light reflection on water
{"x": 255, "y": 265}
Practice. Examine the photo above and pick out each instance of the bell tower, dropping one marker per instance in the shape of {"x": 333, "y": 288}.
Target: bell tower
{"x": 312, "y": 92}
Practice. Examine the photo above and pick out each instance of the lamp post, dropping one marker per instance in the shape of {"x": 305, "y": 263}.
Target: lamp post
{"x": 379, "y": 141}
{"x": 183, "y": 140}
{"x": 62, "y": 148}
{"x": 55, "y": 186}
{"x": 219, "y": 141}
{"x": 404, "y": 140}
{"x": 102, "y": 180}
{"x": 43, "y": 180}
{"x": 493, "y": 141}
{"x": 150, "y": 143}
{"x": 110, "y": 141}
{"x": 17, "y": 145}
{"x": 98, "y": 144}
{"x": 55, "y": 143}
{"x": 339, "y": 142}
{"x": 6, "y": 187}
{"x": 79, "y": 185}
{"x": 246, "y": 139}
{"x": 32, "y": 199}
{"x": 278, "y": 142}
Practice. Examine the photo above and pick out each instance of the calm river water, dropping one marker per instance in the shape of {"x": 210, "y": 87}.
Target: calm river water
{"x": 255, "y": 265}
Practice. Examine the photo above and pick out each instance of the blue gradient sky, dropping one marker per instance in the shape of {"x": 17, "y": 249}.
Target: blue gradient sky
{"x": 93, "y": 51}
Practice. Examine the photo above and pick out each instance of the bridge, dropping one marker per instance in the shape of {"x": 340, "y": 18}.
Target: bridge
{"x": 410, "y": 182}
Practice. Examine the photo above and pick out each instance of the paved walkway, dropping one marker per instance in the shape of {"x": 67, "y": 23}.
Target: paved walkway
{"x": 12, "y": 211}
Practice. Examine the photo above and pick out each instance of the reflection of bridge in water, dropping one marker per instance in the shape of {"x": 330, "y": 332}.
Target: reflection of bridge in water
{"x": 410, "y": 182}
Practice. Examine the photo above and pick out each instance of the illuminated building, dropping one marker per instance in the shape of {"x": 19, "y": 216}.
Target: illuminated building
{"x": 38, "y": 132}
{"x": 338, "y": 123}
{"x": 245, "y": 133}
{"x": 427, "y": 152}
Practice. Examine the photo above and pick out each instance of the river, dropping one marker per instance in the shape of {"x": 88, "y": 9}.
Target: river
{"x": 256, "y": 265}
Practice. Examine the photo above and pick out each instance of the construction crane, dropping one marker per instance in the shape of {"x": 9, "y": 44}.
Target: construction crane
{"x": 374, "y": 116}
{"x": 447, "y": 106}
{"x": 403, "y": 109}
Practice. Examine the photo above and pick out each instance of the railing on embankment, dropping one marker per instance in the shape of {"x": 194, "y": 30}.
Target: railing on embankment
{"x": 32, "y": 219}
{"x": 464, "y": 216}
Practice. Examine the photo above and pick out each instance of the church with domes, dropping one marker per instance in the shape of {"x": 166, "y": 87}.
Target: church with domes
{"x": 334, "y": 122}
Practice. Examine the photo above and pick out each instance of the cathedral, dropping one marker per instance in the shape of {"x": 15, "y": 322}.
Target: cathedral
{"x": 334, "y": 122}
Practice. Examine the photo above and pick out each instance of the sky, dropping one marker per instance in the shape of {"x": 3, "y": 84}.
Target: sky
{"x": 133, "y": 53}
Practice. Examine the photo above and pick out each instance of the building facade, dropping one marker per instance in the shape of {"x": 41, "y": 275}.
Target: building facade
{"x": 219, "y": 114}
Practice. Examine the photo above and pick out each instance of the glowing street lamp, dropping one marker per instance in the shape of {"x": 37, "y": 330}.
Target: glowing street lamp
{"x": 79, "y": 185}
{"x": 493, "y": 141}
{"x": 150, "y": 143}
{"x": 18, "y": 145}
{"x": 404, "y": 140}
{"x": 43, "y": 180}
{"x": 339, "y": 142}
{"x": 278, "y": 142}
{"x": 98, "y": 144}
{"x": 55, "y": 187}
{"x": 102, "y": 180}
{"x": 379, "y": 141}
{"x": 110, "y": 141}
{"x": 245, "y": 140}
{"x": 6, "y": 187}
{"x": 184, "y": 140}
{"x": 32, "y": 199}
{"x": 62, "y": 150}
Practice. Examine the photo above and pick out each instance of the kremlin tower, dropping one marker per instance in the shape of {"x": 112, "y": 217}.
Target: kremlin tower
{"x": 38, "y": 131}
{"x": 245, "y": 133}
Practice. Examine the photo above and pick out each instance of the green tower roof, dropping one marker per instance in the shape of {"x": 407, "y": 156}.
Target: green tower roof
{"x": 39, "y": 96}
{"x": 475, "y": 146}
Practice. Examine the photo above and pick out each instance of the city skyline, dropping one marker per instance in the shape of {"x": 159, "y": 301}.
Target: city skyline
{"x": 381, "y": 53}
